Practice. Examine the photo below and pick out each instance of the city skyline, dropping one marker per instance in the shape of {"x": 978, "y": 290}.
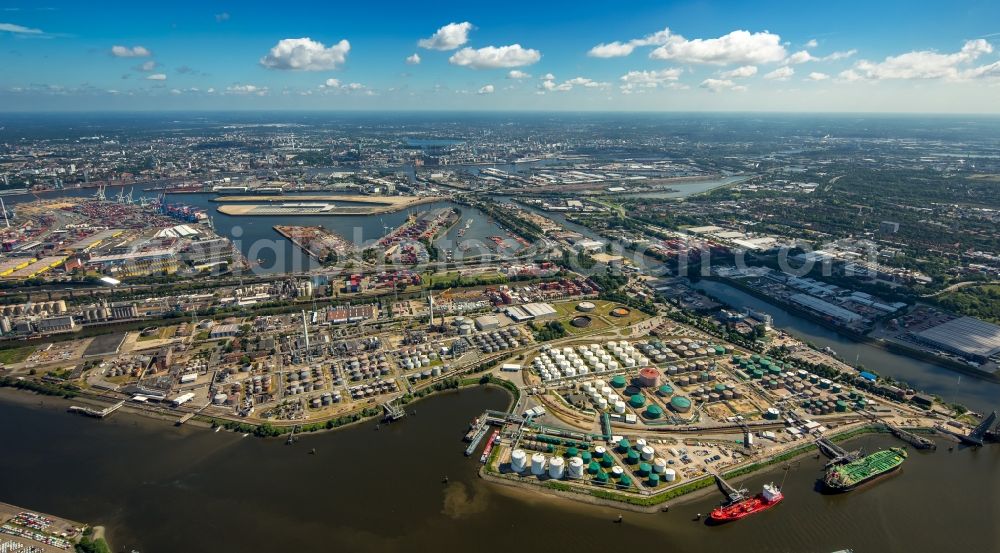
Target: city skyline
{"x": 677, "y": 56}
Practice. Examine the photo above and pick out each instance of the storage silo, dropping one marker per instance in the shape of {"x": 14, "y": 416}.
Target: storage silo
{"x": 669, "y": 475}
{"x": 649, "y": 377}
{"x": 538, "y": 464}
{"x": 659, "y": 465}
{"x": 680, "y": 404}
{"x": 556, "y": 467}
{"x": 576, "y": 467}
{"x": 647, "y": 453}
{"x": 518, "y": 460}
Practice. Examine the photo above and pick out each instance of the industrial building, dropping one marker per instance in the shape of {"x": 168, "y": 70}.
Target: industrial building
{"x": 825, "y": 308}
{"x": 969, "y": 337}
{"x": 350, "y": 314}
{"x": 487, "y": 322}
{"x": 531, "y": 311}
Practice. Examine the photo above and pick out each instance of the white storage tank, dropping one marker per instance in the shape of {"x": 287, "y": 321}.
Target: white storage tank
{"x": 647, "y": 453}
{"x": 602, "y": 403}
{"x": 537, "y": 464}
{"x": 640, "y": 443}
{"x": 556, "y": 467}
{"x": 599, "y": 451}
{"x": 617, "y": 471}
{"x": 669, "y": 475}
{"x": 620, "y": 407}
{"x": 659, "y": 465}
{"x": 518, "y": 460}
{"x": 576, "y": 467}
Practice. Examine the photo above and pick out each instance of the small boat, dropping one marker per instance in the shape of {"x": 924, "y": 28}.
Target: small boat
{"x": 769, "y": 497}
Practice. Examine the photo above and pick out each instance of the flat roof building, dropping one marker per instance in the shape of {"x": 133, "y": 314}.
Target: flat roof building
{"x": 966, "y": 336}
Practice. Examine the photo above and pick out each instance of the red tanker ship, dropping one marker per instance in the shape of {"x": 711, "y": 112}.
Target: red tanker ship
{"x": 766, "y": 499}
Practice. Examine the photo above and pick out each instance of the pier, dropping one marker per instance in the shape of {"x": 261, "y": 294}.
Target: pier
{"x": 392, "y": 412}
{"x": 96, "y": 413}
{"x": 734, "y": 494}
{"x": 837, "y": 454}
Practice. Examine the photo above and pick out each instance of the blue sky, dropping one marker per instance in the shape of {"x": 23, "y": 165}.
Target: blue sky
{"x": 883, "y": 56}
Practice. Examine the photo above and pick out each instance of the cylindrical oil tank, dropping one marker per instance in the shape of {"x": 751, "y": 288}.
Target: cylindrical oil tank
{"x": 659, "y": 465}
{"x": 576, "y": 466}
{"x": 556, "y": 467}
{"x": 537, "y": 464}
{"x": 647, "y": 453}
{"x": 518, "y": 460}
{"x": 649, "y": 377}
{"x": 680, "y": 404}
{"x": 669, "y": 475}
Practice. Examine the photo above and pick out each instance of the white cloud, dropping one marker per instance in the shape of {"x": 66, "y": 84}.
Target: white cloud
{"x": 175, "y": 91}
{"x": 648, "y": 79}
{"x": 740, "y": 72}
{"x": 927, "y": 64}
{"x": 331, "y": 83}
{"x": 619, "y": 49}
{"x": 849, "y": 75}
{"x": 719, "y": 85}
{"x": 492, "y": 57}
{"x": 146, "y": 66}
{"x": 488, "y": 89}
{"x": 133, "y": 52}
{"x": 306, "y": 54}
{"x": 817, "y": 76}
{"x": 156, "y": 77}
{"x": 517, "y": 74}
{"x": 243, "y": 89}
{"x": 812, "y": 43}
{"x": 839, "y": 55}
{"x": 740, "y": 47}
{"x": 800, "y": 57}
{"x": 780, "y": 74}
{"x": 220, "y": 17}
{"x": 586, "y": 83}
{"x": 549, "y": 84}
{"x": 19, "y": 29}
{"x": 449, "y": 37}
{"x": 414, "y": 59}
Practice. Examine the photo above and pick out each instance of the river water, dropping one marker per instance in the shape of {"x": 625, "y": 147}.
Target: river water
{"x": 159, "y": 488}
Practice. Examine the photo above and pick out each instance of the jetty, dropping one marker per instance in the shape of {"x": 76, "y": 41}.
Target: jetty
{"x": 94, "y": 412}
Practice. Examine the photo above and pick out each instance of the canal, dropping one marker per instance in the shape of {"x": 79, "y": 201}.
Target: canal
{"x": 162, "y": 489}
